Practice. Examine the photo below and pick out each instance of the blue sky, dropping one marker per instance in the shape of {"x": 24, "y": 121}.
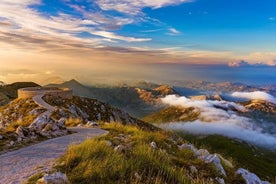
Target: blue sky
{"x": 141, "y": 31}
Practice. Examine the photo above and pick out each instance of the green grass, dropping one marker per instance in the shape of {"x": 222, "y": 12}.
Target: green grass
{"x": 94, "y": 161}
{"x": 257, "y": 160}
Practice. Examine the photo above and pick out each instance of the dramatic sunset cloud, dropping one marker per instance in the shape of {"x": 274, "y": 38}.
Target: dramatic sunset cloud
{"x": 103, "y": 33}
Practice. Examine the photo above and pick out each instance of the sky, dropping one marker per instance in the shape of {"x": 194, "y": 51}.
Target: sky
{"x": 45, "y": 39}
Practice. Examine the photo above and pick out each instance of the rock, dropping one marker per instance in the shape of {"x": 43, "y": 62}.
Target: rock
{"x": 91, "y": 123}
{"x": 21, "y": 132}
{"x": 39, "y": 123}
{"x": 19, "y": 139}
{"x": 12, "y": 143}
{"x": 119, "y": 148}
{"x": 137, "y": 176}
{"x": 220, "y": 180}
{"x": 1, "y": 137}
{"x": 250, "y": 178}
{"x": 193, "y": 169}
{"x": 61, "y": 122}
{"x": 55, "y": 178}
{"x": 153, "y": 145}
{"x": 213, "y": 158}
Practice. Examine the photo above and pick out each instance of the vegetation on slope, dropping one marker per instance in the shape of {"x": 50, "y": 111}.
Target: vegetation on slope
{"x": 80, "y": 109}
{"x": 138, "y": 99}
{"x": 173, "y": 114}
{"x": 128, "y": 155}
{"x": 258, "y": 160}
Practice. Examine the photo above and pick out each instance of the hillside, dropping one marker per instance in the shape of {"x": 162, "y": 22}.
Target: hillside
{"x": 173, "y": 114}
{"x": 8, "y": 92}
{"x": 203, "y": 111}
{"x": 138, "y": 99}
{"x": 260, "y": 105}
{"x": 22, "y": 120}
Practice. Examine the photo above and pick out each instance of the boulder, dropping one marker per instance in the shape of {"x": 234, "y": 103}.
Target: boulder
{"x": 21, "y": 132}
{"x": 213, "y": 158}
{"x": 1, "y": 137}
{"x": 39, "y": 123}
{"x": 250, "y": 178}
{"x": 55, "y": 178}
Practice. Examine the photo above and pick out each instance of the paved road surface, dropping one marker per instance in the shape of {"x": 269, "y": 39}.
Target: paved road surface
{"x": 17, "y": 166}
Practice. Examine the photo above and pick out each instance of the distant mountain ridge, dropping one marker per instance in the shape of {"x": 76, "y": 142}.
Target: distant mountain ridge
{"x": 138, "y": 99}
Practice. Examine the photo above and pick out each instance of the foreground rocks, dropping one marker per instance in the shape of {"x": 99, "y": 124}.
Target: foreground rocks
{"x": 55, "y": 178}
{"x": 250, "y": 178}
{"x": 217, "y": 160}
{"x": 44, "y": 127}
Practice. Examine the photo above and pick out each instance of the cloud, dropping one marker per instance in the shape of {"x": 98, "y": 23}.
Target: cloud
{"x": 29, "y": 25}
{"x": 135, "y": 7}
{"x": 232, "y": 129}
{"x": 256, "y": 95}
{"x": 173, "y": 31}
{"x": 243, "y": 63}
{"x": 238, "y": 64}
{"x": 220, "y": 117}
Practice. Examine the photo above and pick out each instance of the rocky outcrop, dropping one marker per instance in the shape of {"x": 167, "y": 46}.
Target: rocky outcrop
{"x": 219, "y": 161}
{"x": 250, "y": 178}
{"x": 204, "y": 155}
{"x": 153, "y": 95}
{"x": 260, "y": 105}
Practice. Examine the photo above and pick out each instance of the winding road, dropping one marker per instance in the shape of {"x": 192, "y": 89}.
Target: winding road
{"x": 17, "y": 166}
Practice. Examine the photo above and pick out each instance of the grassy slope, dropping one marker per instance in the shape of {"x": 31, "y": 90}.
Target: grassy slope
{"x": 94, "y": 161}
{"x": 172, "y": 114}
{"x": 259, "y": 161}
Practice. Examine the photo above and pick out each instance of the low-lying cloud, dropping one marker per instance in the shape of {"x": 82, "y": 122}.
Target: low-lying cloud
{"x": 256, "y": 95}
{"x": 220, "y": 117}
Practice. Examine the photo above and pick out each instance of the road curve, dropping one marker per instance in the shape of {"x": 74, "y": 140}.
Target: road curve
{"x": 17, "y": 166}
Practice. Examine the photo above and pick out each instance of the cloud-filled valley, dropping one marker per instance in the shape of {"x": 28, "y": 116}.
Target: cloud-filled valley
{"x": 256, "y": 95}
{"x": 221, "y": 117}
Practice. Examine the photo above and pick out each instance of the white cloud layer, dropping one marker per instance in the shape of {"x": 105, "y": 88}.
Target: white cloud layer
{"x": 219, "y": 117}
{"x": 228, "y": 129}
{"x": 256, "y": 95}
{"x": 135, "y": 7}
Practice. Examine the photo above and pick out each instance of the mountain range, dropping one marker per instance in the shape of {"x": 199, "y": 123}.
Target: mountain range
{"x": 23, "y": 121}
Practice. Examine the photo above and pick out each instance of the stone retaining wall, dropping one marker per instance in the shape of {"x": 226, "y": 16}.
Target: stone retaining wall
{"x": 33, "y": 91}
